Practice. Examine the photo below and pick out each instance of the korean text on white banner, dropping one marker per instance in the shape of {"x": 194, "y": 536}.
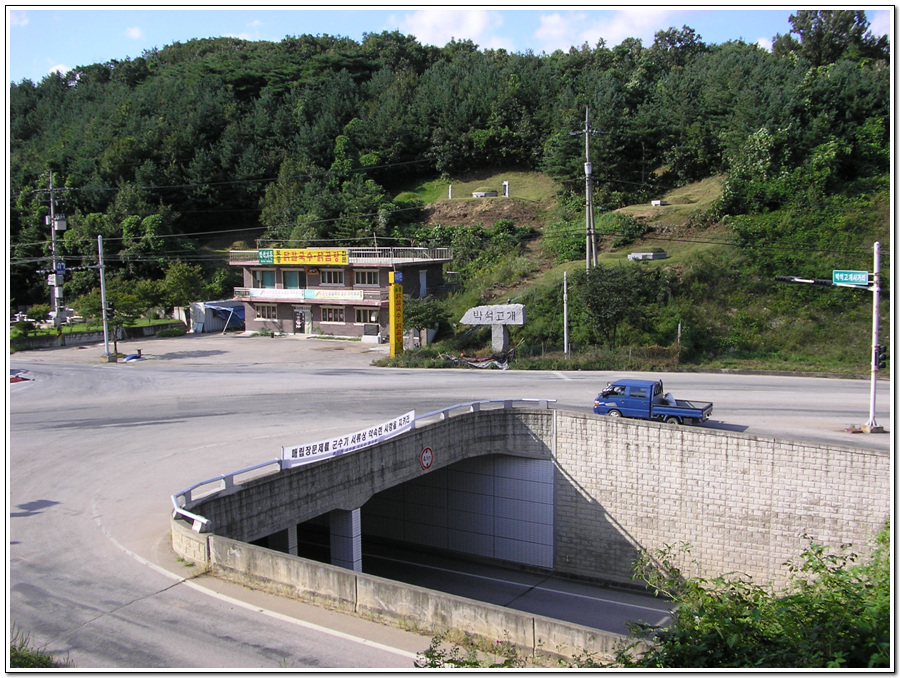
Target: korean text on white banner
{"x": 333, "y": 447}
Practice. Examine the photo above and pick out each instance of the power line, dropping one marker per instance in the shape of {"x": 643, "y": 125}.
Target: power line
{"x": 210, "y": 184}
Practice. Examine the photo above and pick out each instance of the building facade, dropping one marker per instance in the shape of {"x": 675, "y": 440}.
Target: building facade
{"x": 341, "y": 292}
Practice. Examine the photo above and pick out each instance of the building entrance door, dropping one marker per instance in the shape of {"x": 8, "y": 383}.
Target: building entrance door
{"x": 299, "y": 321}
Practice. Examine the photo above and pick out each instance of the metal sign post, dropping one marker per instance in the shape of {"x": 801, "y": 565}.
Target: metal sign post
{"x": 871, "y": 425}
{"x": 858, "y": 280}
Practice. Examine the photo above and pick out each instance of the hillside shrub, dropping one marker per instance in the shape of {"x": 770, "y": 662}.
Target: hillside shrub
{"x": 835, "y": 613}
{"x": 624, "y": 228}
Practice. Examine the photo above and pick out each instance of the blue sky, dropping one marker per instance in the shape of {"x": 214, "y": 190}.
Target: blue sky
{"x": 45, "y": 38}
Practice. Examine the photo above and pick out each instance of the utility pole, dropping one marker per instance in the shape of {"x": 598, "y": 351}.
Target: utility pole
{"x": 103, "y": 299}
{"x": 566, "y": 314}
{"x": 56, "y": 223}
{"x": 871, "y": 425}
{"x": 590, "y": 235}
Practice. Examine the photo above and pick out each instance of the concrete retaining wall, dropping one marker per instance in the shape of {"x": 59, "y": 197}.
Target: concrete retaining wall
{"x": 742, "y": 502}
{"x": 411, "y": 607}
{"x": 81, "y": 338}
{"x": 190, "y": 545}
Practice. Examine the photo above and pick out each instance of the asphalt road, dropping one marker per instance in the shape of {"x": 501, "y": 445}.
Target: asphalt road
{"x": 96, "y": 450}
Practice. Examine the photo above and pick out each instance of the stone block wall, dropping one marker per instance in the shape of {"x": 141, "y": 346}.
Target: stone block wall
{"x": 743, "y": 503}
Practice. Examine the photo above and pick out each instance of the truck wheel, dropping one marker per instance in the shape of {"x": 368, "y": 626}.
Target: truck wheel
{"x": 614, "y": 413}
{"x": 672, "y": 420}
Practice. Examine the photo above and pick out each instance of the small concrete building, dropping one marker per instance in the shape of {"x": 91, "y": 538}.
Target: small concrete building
{"x": 340, "y": 291}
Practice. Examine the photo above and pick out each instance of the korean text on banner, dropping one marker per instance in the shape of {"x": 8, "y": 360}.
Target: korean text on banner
{"x": 332, "y": 447}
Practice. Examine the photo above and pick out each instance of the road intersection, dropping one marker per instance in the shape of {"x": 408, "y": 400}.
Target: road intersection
{"x": 97, "y": 448}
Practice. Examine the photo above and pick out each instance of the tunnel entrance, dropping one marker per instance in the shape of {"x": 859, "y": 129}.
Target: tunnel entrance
{"x": 494, "y": 507}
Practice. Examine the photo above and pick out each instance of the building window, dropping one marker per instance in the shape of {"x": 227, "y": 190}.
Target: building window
{"x": 365, "y": 278}
{"x": 293, "y": 280}
{"x": 332, "y": 276}
{"x": 367, "y": 316}
{"x": 266, "y": 312}
{"x": 264, "y": 279}
{"x": 332, "y": 314}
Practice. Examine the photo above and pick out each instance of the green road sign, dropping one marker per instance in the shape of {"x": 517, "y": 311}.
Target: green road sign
{"x": 850, "y": 278}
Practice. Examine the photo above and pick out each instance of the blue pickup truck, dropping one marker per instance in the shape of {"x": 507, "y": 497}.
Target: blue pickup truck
{"x": 643, "y": 399}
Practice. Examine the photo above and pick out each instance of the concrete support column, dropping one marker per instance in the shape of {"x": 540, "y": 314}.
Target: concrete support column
{"x": 346, "y": 539}
{"x": 292, "y": 540}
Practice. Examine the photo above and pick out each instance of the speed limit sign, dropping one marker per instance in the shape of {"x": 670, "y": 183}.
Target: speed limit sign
{"x": 426, "y": 458}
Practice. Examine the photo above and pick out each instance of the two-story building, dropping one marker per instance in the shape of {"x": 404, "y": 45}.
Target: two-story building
{"x": 341, "y": 292}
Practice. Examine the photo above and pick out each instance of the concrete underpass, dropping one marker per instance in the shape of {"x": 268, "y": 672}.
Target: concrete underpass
{"x": 562, "y": 492}
{"x": 494, "y": 507}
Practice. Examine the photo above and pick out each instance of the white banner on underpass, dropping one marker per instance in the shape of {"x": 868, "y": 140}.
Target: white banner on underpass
{"x": 323, "y": 449}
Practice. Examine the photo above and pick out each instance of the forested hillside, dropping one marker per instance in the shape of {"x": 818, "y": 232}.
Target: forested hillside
{"x": 317, "y": 140}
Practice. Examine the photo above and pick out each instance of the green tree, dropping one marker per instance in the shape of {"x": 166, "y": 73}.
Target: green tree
{"x": 150, "y": 293}
{"x": 834, "y": 613}
{"x": 39, "y": 312}
{"x": 826, "y": 35}
{"x": 183, "y": 283}
{"x": 423, "y": 313}
{"x": 126, "y": 306}
{"x": 613, "y": 295}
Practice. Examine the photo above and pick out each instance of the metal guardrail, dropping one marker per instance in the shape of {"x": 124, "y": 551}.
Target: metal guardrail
{"x": 476, "y": 406}
{"x": 230, "y": 482}
{"x": 226, "y": 482}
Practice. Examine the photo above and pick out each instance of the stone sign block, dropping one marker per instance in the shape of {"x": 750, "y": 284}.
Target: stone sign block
{"x": 499, "y": 314}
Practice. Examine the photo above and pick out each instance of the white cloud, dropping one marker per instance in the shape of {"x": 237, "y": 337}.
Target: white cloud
{"x": 765, "y": 43}
{"x": 134, "y": 33}
{"x": 554, "y": 33}
{"x": 880, "y": 23}
{"x": 18, "y": 18}
{"x": 562, "y": 31}
{"x": 252, "y": 34}
{"x": 634, "y": 23}
{"x": 440, "y": 26}
{"x": 62, "y": 69}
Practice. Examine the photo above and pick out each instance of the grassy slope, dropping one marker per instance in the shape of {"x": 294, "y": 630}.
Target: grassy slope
{"x": 796, "y": 343}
